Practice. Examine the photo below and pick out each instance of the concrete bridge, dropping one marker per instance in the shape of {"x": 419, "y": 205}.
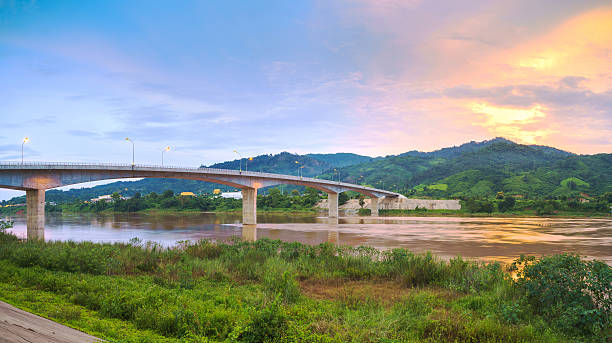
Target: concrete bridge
{"x": 36, "y": 177}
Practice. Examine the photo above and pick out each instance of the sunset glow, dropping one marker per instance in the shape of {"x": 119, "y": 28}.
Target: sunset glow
{"x": 400, "y": 75}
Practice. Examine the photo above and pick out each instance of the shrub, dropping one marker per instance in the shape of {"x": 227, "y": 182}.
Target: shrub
{"x": 279, "y": 279}
{"x": 268, "y": 325}
{"x": 570, "y": 293}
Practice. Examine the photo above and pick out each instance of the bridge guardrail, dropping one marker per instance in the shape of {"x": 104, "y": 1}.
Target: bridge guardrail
{"x": 13, "y": 164}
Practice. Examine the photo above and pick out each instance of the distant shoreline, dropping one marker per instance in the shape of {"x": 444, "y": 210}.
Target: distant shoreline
{"x": 382, "y": 214}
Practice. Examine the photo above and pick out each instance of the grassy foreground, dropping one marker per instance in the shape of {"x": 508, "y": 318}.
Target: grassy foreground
{"x": 270, "y": 291}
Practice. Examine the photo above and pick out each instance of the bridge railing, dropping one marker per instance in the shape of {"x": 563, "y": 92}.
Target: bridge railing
{"x": 97, "y": 165}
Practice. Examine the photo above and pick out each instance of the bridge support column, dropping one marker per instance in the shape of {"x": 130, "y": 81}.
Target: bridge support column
{"x": 249, "y": 233}
{"x": 333, "y": 237}
{"x": 249, "y": 206}
{"x": 374, "y": 206}
{"x": 332, "y": 200}
{"x": 35, "y": 202}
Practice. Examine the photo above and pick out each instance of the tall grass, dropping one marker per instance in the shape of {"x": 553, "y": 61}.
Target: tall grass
{"x": 250, "y": 291}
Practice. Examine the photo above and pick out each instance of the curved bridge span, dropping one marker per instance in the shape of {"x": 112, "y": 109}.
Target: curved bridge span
{"x": 36, "y": 177}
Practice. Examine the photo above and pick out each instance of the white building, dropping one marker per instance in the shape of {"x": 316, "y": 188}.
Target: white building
{"x": 232, "y": 195}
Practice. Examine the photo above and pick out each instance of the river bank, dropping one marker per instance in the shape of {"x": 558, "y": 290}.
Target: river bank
{"x": 323, "y": 212}
{"x": 274, "y": 291}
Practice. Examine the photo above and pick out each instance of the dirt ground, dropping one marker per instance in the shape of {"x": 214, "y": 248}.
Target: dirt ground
{"x": 17, "y": 326}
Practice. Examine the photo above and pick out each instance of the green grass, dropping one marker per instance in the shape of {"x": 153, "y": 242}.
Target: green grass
{"x": 270, "y": 291}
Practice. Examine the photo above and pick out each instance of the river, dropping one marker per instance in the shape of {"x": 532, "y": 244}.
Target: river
{"x": 491, "y": 239}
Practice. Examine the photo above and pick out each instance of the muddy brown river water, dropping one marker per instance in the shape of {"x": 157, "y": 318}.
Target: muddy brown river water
{"x": 499, "y": 239}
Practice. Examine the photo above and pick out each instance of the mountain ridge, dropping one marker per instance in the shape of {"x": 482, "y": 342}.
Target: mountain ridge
{"x": 470, "y": 169}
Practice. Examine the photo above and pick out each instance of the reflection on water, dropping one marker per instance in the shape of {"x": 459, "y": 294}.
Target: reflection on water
{"x": 483, "y": 238}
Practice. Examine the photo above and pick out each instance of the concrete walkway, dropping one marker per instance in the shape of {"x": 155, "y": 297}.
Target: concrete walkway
{"x": 17, "y": 326}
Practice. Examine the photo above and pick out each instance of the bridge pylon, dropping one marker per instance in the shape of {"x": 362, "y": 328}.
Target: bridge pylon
{"x": 35, "y": 213}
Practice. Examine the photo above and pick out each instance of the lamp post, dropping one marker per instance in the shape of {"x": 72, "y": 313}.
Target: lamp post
{"x": 165, "y": 149}
{"x": 337, "y": 172}
{"x": 246, "y": 163}
{"x": 131, "y": 141}
{"x": 298, "y": 167}
{"x": 23, "y": 141}
{"x": 239, "y": 159}
{"x": 301, "y": 172}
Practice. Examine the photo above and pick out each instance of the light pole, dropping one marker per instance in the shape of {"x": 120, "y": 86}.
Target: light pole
{"x": 165, "y": 149}
{"x": 246, "y": 163}
{"x": 298, "y": 167}
{"x": 301, "y": 172}
{"x": 239, "y": 160}
{"x": 337, "y": 172}
{"x": 131, "y": 141}
{"x": 23, "y": 141}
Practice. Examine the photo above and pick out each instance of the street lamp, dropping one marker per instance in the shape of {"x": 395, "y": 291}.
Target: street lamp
{"x": 131, "y": 141}
{"x": 301, "y": 172}
{"x": 246, "y": 163}
{"x": 337, "y": 172}
{"x": 298, "y": 167}
{"x": 239, "y": 160}
{"x": 165, "y": 149}
{"x": 24, "y": 141}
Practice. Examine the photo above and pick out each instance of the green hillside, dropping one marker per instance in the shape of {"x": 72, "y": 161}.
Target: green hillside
{"x": 342, "y": 159}
{"x": 494, "y": 166}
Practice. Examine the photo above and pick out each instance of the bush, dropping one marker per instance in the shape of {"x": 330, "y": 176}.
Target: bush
{"x": 279, "y": 279}
{"x": 572, "y": 294}
{"x": 507, "y": 204}
{"x": 476, "y": 206}
{"x": 268, "y": 325}
{"x": 364, "y": 212}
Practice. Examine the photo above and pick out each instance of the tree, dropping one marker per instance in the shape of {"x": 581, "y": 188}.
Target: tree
{"x": 507, "y": 204}
{"x": 361, "y": 200}
{"x": 342, "y": 198}
{"x": 5, "y": 225}
{"x": 168, "y": 194}
{"x": 116, "y": 197}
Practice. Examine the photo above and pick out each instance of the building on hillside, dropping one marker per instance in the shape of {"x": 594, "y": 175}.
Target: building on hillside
{"x": 217, "y": 191}
{"x": 232, "y": 195}
{"x": 187, "y": 194}
{"x": 108, "y": 198}
{"x": 105, "y": 198}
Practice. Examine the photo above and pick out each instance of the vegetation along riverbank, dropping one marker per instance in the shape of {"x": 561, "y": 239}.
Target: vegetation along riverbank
{"x": 277, "y": 201}
{"x": 288, "y": 292}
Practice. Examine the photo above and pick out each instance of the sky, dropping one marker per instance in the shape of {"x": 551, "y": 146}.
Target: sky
{"x": 372, "y": 77}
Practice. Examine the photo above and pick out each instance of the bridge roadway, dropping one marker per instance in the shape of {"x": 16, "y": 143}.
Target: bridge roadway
{"x": 36, "y": 177}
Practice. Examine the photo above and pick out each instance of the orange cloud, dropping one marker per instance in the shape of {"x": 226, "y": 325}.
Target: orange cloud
{"x": 580, "y": 46}
{"x": 512, "y": 122}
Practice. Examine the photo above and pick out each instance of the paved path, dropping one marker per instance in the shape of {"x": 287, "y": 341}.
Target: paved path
{"x": 17, "y": 326}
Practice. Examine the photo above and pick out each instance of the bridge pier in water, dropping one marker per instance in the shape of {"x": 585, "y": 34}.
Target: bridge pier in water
{"x": 35, "y": 207}
{"x": 332, "y": 201}
{"x": 249, "y": 233}
{"x": 249, "y": 206}
{"x": 374, "y": 206}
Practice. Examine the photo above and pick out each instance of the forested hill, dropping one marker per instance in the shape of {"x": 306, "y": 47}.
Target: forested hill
{"x": 285, "y": 163}
{"x": 485, "y": 168}
{"x": 474, "y": 169}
